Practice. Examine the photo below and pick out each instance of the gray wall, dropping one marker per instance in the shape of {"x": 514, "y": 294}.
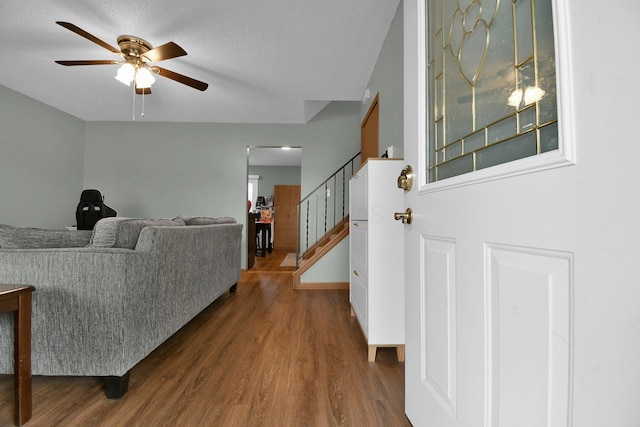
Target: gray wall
{"x": 41, "y": 158}
{"x": 166, "y": 169}
{"x": 387, "y": 79}
{"x": 275, "y": 175}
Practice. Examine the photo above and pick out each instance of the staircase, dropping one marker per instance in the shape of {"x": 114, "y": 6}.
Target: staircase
{"x": 323, "y": 220}
{"x": 320, "y": 249}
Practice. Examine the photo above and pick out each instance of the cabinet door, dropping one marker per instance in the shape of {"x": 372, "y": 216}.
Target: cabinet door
{"x": 359, "y": 244}
{"x": 358, "y": 296}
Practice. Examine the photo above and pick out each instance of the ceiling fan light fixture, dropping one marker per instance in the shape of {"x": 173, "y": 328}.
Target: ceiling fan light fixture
{"x": 144, "y": 78}
{"x": 126, "y": 73}
{"x": 138, "y": 56}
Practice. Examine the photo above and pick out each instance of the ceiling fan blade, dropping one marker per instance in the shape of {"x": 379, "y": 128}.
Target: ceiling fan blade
{"x": 196, "y": 84}
{"x": 166, "y": 51}
{"x": 83, "y": 33}
{"x": 145, "y": 91}
{"x": 89, "y": 62}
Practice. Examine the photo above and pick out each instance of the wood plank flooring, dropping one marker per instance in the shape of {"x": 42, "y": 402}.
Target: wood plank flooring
{"x": 264, "y": 356}
{"x": 271, "y": 263}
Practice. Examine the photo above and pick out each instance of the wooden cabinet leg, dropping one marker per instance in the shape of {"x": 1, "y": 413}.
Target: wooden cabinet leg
{"x": 372, "y": 353}
{"x": 400, "y": 351}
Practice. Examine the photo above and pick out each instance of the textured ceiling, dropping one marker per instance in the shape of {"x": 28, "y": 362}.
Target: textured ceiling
{"x": 276, "y": 61}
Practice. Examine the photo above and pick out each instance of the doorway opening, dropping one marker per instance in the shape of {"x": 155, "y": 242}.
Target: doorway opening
{"x": 269, "y": 169}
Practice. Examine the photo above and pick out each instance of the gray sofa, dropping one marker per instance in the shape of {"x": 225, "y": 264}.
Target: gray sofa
{"x": 101, "y": 308}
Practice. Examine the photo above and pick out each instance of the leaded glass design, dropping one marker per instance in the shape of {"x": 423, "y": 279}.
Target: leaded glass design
{"x": 491, "y": 83}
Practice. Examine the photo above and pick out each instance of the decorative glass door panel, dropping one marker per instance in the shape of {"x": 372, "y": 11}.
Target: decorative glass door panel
{"x": 491, "y": 84}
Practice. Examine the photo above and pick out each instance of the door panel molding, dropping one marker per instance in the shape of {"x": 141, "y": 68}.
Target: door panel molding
{"x": 529, "y": 336}
{"x": 439, "y": 305}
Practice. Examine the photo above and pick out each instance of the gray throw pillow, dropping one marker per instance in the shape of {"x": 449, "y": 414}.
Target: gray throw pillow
{"x": 120, "y": 232}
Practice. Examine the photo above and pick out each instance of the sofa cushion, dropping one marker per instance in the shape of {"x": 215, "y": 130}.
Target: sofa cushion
{"x": 120, "y": 232}
{"x": 36, "y": 238}
{"x": 203, "y": 220}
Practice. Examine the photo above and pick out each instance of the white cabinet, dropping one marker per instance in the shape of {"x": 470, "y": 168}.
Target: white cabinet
{"x": 376, "y": 290}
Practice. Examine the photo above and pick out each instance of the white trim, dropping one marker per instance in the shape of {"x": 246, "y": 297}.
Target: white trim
{"x": 540, "y": 162}
{"x": 422, "y": 176}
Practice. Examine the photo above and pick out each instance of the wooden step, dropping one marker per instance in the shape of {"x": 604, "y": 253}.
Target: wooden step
{"x": 311, "y": 257}
{"x": 336, "y": 231}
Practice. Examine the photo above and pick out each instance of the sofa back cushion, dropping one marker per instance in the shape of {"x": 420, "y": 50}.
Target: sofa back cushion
{"x": 120, "y": 232}
{"x": 203, "y": 220}
{"x": 36, "y": 238}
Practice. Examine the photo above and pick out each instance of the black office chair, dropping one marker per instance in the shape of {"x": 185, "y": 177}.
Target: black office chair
{"x": 91, "y": 209}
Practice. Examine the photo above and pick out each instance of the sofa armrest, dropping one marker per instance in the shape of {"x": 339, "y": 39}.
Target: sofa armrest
{"x": 78, "y": 306}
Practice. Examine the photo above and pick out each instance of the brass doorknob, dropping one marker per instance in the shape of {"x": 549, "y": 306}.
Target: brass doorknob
{"x": 406, "y": 217}
{"x": 405, "y": 180}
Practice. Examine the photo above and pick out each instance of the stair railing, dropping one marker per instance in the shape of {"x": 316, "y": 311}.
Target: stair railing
{"x": 324, "y": 207}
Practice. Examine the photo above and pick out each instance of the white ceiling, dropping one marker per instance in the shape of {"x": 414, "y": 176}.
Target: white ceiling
{"x": 276, "y": 61}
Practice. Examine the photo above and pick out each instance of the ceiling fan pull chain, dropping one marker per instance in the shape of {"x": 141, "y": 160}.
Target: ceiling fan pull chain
{"x": 142, "y": 115}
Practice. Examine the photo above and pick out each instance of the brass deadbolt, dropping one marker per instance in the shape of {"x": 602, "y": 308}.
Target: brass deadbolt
{"x": 405, "y": 180}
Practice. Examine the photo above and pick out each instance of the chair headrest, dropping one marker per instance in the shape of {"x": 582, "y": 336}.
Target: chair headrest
{"x": 91, "y": 196}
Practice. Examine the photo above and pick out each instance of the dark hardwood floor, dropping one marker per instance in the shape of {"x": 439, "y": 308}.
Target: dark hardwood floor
{"x": 264, "y": 356}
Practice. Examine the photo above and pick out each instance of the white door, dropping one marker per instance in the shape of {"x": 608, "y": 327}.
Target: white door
{"x": 522, "y": 285}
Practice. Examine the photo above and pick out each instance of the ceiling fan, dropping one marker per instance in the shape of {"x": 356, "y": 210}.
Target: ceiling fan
{"x": 137, "y": 55}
